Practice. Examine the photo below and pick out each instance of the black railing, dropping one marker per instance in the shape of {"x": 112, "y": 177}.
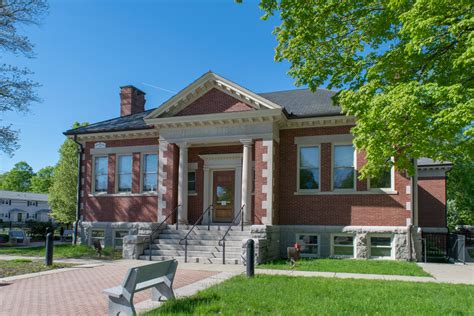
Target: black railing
{"x": 222, "y": 241}
{"x": 208, "y": 211}
{"x": 154, "y": 231}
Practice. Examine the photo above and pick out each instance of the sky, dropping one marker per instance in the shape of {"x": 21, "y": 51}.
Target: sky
{"x": 86, "y": 50}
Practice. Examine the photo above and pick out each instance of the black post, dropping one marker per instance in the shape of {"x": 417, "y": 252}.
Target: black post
{"x": 49, "y": 247}
{"x": 209, "y": 218}
{"x": 250, "y": 258}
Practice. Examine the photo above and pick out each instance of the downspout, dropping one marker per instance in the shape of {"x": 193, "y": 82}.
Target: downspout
{"x": 79, "y": 188}
{"x": 414, "y": 207}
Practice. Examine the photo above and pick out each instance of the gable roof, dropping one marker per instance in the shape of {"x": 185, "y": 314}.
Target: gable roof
{"x": 299, "y": 103}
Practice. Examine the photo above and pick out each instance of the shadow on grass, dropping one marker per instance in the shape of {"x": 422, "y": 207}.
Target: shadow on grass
{"x": 187, "y": 306}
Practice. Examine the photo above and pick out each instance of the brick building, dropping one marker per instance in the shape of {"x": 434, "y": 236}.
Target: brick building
{"x": 282, "y": 162}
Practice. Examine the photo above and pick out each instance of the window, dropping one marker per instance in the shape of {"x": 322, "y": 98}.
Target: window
{"x": 124, "y": 172}
{"x": 32, "y": 203}
{"x": 382, "y": 181}
{"x": 1, "y": 215}
{"x": 380, "y": 246}
{"x": 118, "y": 237}
{"x": 343, "y": 173}
{"x": 150, "y": 168}
{"x": 6, "y": 202}
{"x": 192, "y": 181}
{"x": 309, "y": 168}
{"x": 100, "y": 174}
{"x": 309, "y": 245}
{"x": 97, "y": 235}
{"x": 343, "y": 246}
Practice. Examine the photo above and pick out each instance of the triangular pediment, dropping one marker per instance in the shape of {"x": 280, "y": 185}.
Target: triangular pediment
{"x": 211, "y": 94}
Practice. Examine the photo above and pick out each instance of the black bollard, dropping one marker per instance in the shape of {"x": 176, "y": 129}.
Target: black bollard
{"x": 250, "y": 258}
{"x": 48, "y": 260}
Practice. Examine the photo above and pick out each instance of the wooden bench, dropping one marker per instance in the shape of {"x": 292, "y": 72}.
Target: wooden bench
{"x": 157, "y": 276}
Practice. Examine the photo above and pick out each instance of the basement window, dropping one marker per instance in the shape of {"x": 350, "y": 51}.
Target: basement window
{"x": 118, "y": 238}
{"x": 98, "y": 235}
{"x": 343, "y": 246}
{"x": 309, "y": 244}
{"x": 381, "y": 246}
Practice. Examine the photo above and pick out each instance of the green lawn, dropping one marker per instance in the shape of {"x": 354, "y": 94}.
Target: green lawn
{"x": 23, "y": 266}
{"x": 286, "y": 295}
{"x": 62, "y": 251}
{"x": 350, "y": 266}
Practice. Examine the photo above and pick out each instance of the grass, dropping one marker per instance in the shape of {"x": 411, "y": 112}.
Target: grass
{"x": 286, "y": 295}
{"x": 22, "y": 266}
{"x": 350, "y": 266}
{"x": 471, "y": 252}
{"x": 63, "y": 251}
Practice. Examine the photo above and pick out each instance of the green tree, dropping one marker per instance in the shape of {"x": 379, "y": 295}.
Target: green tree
{"x": 406, "y": 70}
{"x": 460, "y": 195}
{"x": 62, "y": 193}
{"x": 18, "y": 178}
{"x": 42, "y": 180}
{"x": 17, "y": 90}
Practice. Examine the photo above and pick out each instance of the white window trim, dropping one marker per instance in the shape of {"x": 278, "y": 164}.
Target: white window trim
{"x": 369, "y": 245}
{"x": 93, "y": 175}
{"x": 307, "y": 191}
{"x": 386, "y": 190}
{"x": 117, "y": 175}
{"x": 353, "y": 245}
{"x": 297, "y": 235}
{"x": 354, "y": 189}
{"x": 192, "y": 193}
{"x": 91, "y": 237}
{"x": 142, "y": 171}
{"x": 114, "y": 237}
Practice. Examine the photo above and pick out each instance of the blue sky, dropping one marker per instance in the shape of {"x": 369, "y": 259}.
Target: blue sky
{"x": 85, "y": 50}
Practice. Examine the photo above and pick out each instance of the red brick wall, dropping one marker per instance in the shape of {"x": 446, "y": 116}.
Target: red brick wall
{"x": 214, "y": 101}
{"x": 332, "y": 209}
{"x": 117, "y": 208}
{"x": 195, "y": 202}
{"x": 432, "y": 202}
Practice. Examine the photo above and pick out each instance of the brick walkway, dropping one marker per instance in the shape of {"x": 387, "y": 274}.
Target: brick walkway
{"x": 76, "y": 292}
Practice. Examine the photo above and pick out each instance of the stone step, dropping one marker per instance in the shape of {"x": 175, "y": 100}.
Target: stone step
{"x": 180, "y": 253}
{"x": 201, "y": 242}
{"x": 202, "y": 237}
{"x": 203, "y": 248}
{"x": 192, "y": 259}
{"x": 212, "y": 227}
{"x": 205, "y": 233}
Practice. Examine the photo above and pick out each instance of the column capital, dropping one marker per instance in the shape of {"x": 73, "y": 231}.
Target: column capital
{"x": 182, "y": 145}
{"x": 246, "y": 142}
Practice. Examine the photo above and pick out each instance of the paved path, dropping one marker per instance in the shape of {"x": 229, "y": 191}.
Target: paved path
{"x": 441, "y": 273}
{"x": 78, "y": 291}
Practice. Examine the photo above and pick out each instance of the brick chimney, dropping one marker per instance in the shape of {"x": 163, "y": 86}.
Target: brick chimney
{"x": 132, "y": 100}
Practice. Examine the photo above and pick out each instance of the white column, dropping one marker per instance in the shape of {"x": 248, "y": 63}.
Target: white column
{"x": 246, "y": 180}
{"x": 183, "y": 183}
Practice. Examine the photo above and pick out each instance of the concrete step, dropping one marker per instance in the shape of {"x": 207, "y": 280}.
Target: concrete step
{"x": 202, "y": 237}
{"x": 212, "y": 227}
{"x": 192, "y": 259}
{"x": 180, "y": 253}
{"x": 204, "y": 248}
{"x": 200, "y": 242}
{"x": 205, "y": 233}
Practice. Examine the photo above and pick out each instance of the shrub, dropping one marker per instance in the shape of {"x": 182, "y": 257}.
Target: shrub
{"x": 38, "y": 229}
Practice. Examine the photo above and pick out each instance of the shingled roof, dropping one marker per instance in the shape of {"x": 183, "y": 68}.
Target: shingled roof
{"x": 296, "y": 103}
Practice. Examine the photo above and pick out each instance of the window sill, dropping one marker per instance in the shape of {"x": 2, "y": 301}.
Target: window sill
{"x": 122, "y": 194}
{"x": 389, "y": 192}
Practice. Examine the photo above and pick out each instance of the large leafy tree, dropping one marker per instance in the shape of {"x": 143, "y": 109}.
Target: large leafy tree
{"x": 17, "y": 90}
{"x": 18, "y": 178}
{"x": 62, "y": 193}
{"x": 460, "y": 192}
{"x": 405, "y": 69}
{"x": 42, "y": 180}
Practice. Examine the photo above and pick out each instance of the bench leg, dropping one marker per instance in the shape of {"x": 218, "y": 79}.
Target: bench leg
{"x": 121, "y": 306}
{"x": 161, "y": 290}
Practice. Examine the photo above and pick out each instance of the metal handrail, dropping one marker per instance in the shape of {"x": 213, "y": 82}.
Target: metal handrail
{"x": 159, "y": 226}
{"x": 185, "y": 238}
{"x": 222, "y": 241}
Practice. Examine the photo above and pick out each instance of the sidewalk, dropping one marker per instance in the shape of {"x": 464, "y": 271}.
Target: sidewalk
{"x": 441, "y": 273}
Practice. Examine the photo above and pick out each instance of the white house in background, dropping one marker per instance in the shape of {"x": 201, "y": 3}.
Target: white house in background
{"x": 24, "y": 206}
